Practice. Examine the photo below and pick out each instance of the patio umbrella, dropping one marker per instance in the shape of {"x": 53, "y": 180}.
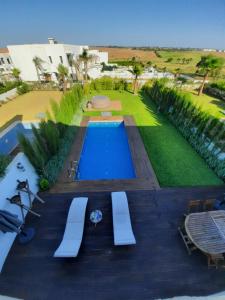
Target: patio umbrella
{"x": 9, "y": 222}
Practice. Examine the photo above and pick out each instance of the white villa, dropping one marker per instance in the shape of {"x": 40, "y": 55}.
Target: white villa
{"x": 52, "y": 54}
{"x": 5, "y": 63}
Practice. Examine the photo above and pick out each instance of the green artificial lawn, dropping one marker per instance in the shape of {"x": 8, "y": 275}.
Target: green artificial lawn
{"x": 173, "y": 159}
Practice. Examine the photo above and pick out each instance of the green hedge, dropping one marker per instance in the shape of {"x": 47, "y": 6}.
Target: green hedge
{"x": 205, "y": 133}
{"x": 108, "y": 83}
{"x": 53, "y": 138}
{"x": 55, "y": 164}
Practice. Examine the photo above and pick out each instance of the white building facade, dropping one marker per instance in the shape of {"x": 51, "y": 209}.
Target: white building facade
{"x": 6, "y": 65}
{"x": 52, "y": 54}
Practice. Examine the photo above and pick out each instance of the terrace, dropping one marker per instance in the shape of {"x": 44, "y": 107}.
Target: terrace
{"x": 157, "y": 267}
{"x": 152, "y": 268}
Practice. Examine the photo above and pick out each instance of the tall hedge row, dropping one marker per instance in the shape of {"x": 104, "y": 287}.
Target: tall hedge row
{"x": 204, "y": 132}
{"x": 53, "y": 138}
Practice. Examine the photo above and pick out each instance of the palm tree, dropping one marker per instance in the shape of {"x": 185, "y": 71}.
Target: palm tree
{"x": 76, "y": 63}
{"x": 86, "y": 58}
{"x": 63, "y": 74}
{"x": 38, "y": 66}
{"x": 70, "y": 61}
{"x": 177, "y": 72}
{"x": 137, "y": 70}
{"x": 16, "y": 73}
{"x": 78, "y": 68}
{"x": 208, "y": 65}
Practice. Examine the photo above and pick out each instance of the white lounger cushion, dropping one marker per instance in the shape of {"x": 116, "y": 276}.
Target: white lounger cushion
{"x": 73, "y": 234}
{"x": 123, "y": 233}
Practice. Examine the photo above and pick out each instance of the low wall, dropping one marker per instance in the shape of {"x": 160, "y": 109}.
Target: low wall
{"x": 11, "y": 93}
{"x": 8, "y": 189}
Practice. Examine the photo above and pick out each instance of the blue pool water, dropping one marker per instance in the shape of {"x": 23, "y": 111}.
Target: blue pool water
{"x": 106, "y": 153}
{"x": 8, "y": 138}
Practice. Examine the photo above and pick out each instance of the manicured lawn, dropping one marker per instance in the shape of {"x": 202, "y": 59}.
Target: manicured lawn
{"x": 27, "y": 106}
{"x": 209, "y": 104}
{"x": 173, "y": 159}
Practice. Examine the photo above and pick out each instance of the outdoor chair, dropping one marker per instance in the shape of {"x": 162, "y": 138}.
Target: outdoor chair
{"x": 208, "y": 205}
{"x": 194, "y": 206}
{"x": 188, "y": 243}
{"x": 215, "y": 260}
{"x": 73, "y": 234}
{"x": 122, "y": 229}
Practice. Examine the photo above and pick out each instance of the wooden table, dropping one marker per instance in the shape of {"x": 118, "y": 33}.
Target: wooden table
{"x": 207, "y": 231}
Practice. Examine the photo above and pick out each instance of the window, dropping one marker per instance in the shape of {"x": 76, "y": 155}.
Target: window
{"x": 61, "y": 59}
{"x": 8, "y": 60}
{"x": 2, "y": 60}
{"x": 50, "y": 59}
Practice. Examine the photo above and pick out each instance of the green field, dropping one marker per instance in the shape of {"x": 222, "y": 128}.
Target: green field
{"x": 173, "y": 159}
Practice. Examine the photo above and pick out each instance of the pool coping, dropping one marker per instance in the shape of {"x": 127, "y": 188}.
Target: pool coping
{"x": 145, "y": 175}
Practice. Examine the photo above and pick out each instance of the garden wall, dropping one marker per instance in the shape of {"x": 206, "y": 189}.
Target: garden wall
{"x": 8, "y": 189}
{"x": 11, "y": 93}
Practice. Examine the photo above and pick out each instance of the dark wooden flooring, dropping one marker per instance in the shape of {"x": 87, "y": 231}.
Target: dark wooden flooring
{"x": 157, "y": 267}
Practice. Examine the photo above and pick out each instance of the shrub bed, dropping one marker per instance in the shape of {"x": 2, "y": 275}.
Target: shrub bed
{"x": 205, "y": 133}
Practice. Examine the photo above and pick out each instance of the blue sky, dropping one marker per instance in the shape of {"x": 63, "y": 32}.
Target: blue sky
{"x": 177, "y": 23}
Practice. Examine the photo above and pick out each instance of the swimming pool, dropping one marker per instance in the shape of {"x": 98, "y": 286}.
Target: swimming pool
{"x": 106, "y": 153}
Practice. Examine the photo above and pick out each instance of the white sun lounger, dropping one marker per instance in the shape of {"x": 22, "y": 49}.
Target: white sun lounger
{"x": 73, "y": 234}
{"x": 123, "y": 233}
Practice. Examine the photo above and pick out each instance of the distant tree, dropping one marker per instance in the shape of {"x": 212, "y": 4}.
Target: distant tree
{"x": 178, "y": 60}
{"x": 86, "y": 58}
{"x": 170, "y": 59}
{"x": 149, "y": 63}
{"x": 63, "y": 75}
{"x": 137, "y": 70}
{"x": 208, "y": 65}
{"x": 38, "y": 63}
{"x": 16, "y": 73}
{"x": 183, "y": 60}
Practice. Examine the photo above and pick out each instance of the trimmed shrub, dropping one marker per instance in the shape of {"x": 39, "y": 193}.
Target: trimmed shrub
{"x": 108, "y": 83}
{"x": 4, "y": 161}
{"x": 44, "y": 184}
{"x": 23, "y": 88}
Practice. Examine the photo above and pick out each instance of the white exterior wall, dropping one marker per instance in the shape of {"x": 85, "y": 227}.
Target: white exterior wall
{"x": 8, "y": 189}
{"x": 22, "y": 57}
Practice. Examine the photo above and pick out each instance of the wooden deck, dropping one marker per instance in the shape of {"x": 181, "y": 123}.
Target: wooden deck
{"x": 146, "y": 178}
{"x": 158, "y": 266}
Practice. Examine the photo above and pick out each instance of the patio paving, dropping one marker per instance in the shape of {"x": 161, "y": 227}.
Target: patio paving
{"x": 157, "y": 267}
